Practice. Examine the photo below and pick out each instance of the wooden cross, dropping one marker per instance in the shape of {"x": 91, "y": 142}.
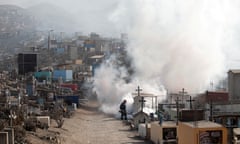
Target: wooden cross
{"x": 138, "y": 90}
{"x": 190, "y": 102}
{"x": 183, "y": 92}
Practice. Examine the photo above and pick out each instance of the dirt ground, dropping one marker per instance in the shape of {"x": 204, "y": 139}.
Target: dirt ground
{"x": 89, "y": 126}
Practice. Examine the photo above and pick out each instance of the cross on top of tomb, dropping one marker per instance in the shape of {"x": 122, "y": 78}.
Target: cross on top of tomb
{"x": 190, "y": 101}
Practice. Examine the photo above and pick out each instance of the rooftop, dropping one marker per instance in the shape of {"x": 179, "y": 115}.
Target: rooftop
{"x": 234, "y": 71}
{"x": 203, "y": 124}
{"x": 166, "y": 123}
{"x": 97, "y": 56}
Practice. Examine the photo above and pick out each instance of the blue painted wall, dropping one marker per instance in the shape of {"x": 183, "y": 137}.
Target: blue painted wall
{"x": 66, "y": 75}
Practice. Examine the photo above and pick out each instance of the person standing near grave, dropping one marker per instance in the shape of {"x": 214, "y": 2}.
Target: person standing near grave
{"x": 123, "y": 110}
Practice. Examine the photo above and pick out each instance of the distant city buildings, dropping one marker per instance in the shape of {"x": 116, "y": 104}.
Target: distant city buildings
{"x": 90, "y": 50}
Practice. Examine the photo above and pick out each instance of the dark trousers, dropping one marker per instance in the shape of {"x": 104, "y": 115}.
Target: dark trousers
{"x": 123, "y": 114}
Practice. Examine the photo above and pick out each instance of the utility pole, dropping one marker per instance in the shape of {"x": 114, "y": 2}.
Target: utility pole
{"x": 190, "y": 102}
{"x": 177, "y": 105}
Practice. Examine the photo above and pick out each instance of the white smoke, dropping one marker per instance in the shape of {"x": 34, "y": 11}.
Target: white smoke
{"x": 112, "y": 89}
{"x": 180, "y": 44}
{"x": 110, "y": 86}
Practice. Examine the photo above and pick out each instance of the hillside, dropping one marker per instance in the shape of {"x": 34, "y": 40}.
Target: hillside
{"x": 19, "y": 26}
{"x": 14, "y": 19}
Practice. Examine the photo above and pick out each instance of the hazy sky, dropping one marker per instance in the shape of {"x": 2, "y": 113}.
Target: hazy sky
{"x": 92, "y": 15}
{"x": 71, "y": 5}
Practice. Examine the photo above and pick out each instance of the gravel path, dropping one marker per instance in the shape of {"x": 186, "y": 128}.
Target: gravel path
{"x": 89, "y": 126}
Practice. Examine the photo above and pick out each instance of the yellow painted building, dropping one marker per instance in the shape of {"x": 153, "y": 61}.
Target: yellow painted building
{"x": 165, "y": 133}
{"x": 201, "y": 132}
